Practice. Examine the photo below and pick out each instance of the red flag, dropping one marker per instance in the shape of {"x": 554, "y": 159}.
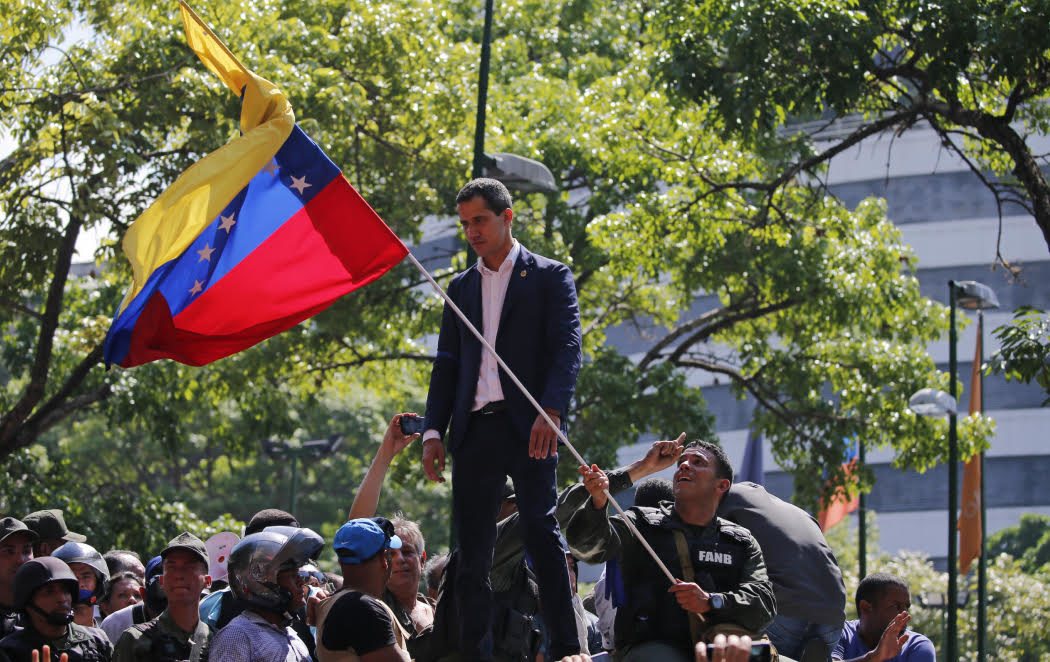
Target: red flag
{"x": 970, "y": 507}
{"x": 835, "y": 508}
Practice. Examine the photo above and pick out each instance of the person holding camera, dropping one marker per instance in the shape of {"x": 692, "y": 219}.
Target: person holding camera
{"x": 721, "y": 584}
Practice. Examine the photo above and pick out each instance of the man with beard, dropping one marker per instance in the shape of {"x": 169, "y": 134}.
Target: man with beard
{"x": 355, "y": 623}
{"x": 723, "y": 585}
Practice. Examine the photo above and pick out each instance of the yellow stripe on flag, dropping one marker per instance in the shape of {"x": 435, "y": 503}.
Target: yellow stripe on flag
{"x": 175, "y": 219}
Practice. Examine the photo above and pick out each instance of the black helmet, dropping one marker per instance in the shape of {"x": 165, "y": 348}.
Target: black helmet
{"x": 35, "y": 573}
{"x": 255, "y": 561}
{"x": 79, "y": 552}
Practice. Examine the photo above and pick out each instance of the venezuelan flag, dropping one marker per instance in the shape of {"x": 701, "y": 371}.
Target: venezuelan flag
{"x": 248, "y": 242}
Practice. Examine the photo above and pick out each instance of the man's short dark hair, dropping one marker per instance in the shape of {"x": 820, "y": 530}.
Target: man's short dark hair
{"x": 872, "y": 587}
{"x": 651, "y": 491}
{"x": 116, "y": 563}
{"x": 493, "y": 192}
{"x": 724, "y": 468}
{"x": 269, "y": 517}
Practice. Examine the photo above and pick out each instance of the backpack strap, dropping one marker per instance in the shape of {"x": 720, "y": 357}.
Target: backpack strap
{"x": 687, "y": 573}
{"x": 138, "y": 613}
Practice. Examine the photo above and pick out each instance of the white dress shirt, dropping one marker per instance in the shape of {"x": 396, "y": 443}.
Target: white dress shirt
{"x": 493, "y": 293}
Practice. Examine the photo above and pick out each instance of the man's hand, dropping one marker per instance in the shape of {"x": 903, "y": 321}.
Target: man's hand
{"x": 660, "y": 455}
{"x": 892, "y": 641}
{"x": 313, "y": 603}
{"x": 543, "y": 439}
{"x": 44, "y": 655}
{"x": 691, "y": 597}
{"x": 395, "y": 441}
{"x": 434, "y": 459}
{"x": 597, "y": 483}
{"x": 733, "y": 649}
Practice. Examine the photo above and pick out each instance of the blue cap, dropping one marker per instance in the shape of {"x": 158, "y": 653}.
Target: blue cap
{"x": 153, "y": 568}
{"x": 359, "y": 540}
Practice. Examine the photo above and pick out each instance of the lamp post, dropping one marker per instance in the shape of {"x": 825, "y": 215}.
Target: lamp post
{"x": 315, "y": 448}
{"x": 862, "y": 522}
{"x": 972, "y": 295}
{"x": 932, "y": 402}
{"x": 927, "y": 402}
{"x": 516, "y": 172}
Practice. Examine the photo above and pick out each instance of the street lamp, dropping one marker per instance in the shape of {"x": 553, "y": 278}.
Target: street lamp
{"x": 977, "y": 296}
{"x": 516, "y": 172}
{"x": 973, "y": 296}
{"x": 314, "y": 448}
{"x": 519, "y": 173}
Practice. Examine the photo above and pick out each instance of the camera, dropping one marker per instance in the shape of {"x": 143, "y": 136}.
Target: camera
{"x": 411, "y": 424}
{"x": 760, "y": 652}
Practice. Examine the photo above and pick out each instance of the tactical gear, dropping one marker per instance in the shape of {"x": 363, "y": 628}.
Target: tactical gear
{"x": 80, "y": 644}
{"x": 36, "y": 572}
{"x": 78, "y": 552}
{"x": 725, "y": 559}
{"x": 9, "y": 526}
{"x": 257, "y": 559}
{"x": 48, "y": 524}
{"x": 187, "y": 542}
{"x": 161, "y": 640}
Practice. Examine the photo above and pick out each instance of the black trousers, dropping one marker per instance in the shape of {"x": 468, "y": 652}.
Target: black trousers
{"x": 490, "y": 452}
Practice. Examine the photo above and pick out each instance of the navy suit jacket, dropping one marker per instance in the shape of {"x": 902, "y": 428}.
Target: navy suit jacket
{"x": 539, "y": 339}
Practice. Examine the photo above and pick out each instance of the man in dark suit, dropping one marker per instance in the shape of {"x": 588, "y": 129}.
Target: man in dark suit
{"x": 525, "y": 306}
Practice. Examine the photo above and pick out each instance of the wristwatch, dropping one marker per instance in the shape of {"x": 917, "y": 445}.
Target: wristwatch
{"x": 717, "y": 600}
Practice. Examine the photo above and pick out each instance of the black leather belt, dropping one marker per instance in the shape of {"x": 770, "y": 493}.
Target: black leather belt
{"x": 491, "y": 408}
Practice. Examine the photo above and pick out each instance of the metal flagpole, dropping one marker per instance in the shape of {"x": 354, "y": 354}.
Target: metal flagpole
{"x": 561, "y": 435}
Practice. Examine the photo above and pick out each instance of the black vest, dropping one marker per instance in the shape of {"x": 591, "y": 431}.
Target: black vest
{"x": 718, "y": 553}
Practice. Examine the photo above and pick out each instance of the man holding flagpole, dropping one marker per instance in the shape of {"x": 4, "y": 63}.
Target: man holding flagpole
{"x": 525, "y": 306}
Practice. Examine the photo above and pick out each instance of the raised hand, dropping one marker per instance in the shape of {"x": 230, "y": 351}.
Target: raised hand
{"x": 394, "y": 440}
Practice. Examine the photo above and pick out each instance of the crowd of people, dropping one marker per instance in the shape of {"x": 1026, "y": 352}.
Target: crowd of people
{"x": 749, "y": 567}
{"x": 699, "y": 561}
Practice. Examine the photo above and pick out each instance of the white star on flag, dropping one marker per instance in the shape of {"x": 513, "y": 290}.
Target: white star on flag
{"x": 299, "y": 184}
{"x": 205, "y": 253}
{"x": 197, "y": 288}
{"x": 227, "y": 223}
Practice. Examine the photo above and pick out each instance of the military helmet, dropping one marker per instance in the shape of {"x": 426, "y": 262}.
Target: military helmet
{"x": 36, "y": 572}
{"x": 256, "y": 560}
{"x": 79, "y": 552}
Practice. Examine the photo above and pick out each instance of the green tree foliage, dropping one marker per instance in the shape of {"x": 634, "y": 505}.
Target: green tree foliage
{"x": 975, "y": 71}
{"x": 723, "y": 262}
{"x": 1024, "y": 349}
{"x": 1028, "y": 542}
